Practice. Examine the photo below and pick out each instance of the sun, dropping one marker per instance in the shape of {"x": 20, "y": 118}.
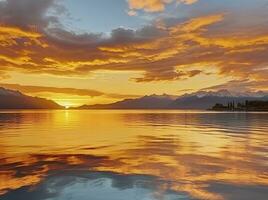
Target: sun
{"x": 65, "y": 104}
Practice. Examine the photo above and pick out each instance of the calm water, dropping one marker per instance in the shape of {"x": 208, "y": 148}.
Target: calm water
{"x": 133, "y": 155}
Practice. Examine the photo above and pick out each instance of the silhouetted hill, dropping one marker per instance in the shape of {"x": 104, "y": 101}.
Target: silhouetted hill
{"x": 10, "y": 99}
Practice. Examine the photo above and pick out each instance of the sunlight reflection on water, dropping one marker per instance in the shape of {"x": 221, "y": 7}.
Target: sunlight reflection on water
{"x": 157, "y": 155}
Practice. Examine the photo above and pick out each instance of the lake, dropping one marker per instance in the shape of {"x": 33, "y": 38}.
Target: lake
{"x": 134, "y": 155}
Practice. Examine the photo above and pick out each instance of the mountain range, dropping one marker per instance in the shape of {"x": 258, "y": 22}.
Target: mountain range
{"x": 10, "y": 99}
{"x": 197, "y": 100}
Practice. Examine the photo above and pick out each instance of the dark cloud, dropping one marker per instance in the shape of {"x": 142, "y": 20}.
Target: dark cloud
{"x": 27, "y": 13}
{"x": 72, "y": 91}
{"x": 37, "y": 89}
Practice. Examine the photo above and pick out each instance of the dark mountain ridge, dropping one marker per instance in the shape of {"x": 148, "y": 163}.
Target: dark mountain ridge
{"x": 10, "y": 99}
{"x": 199, "y": 100}
{"x": 146, "y": 102}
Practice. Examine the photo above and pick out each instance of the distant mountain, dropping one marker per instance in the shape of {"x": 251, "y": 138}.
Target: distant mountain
{"x": 197, "y": 100}
{"x": 207, "y": 99}
{"x": 227, "y": 93}
{"x": 10, "y": 99}
{"x": 7, "y": 92}
{"x": 146, "y": 102}
{"x": 206, "y": 102}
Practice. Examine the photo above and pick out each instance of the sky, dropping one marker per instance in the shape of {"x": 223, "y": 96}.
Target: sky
{"x": 101, "y": 51}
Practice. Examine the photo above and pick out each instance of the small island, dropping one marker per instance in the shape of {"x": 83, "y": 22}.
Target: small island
{"x": 261, "y": 106}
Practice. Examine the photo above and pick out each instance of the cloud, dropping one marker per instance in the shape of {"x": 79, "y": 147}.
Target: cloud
{"x": 29, "y": 89}
{"x": 3, "y": 75}
{"x": 37, "y": 89}
{"x": 188, "y": 2}
{"x": 245, "y": 85}
{"x": 148, "y": 5}
{"x": 185, "y": 90}
{"x": 27, "y": 13}
{"x": 160, "y": 51}
{"x": 154, "y": 5}
{"x": 132, "y": 13}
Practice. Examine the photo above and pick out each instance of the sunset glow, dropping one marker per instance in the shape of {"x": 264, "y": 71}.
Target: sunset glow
{"x": 133, "y": 99}
{"x": 149, "y": 47}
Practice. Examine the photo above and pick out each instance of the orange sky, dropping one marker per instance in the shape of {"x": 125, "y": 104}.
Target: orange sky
{"x": 177, "y": 47}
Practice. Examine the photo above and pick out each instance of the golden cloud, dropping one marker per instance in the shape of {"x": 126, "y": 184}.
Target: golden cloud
{"x": 160, "y": 51}
{"x": 10, "y": 35}
{"x": 154, "y": 5}
{"x": 148, "y": 5}
{"x": 187, "y": 1}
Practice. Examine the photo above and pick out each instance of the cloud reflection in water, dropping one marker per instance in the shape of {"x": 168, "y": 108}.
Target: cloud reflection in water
{"x": 137, "y": 155}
